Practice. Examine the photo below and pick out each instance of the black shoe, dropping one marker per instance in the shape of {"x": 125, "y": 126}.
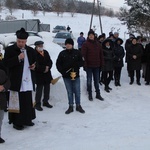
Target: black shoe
{"x": 18, "y": 127}
{"x": 138, "y": 83}
{"x": 29, "y": 124}
{"x": 109, "y": 88}
{"x": 106, "y": 89}
{"x": 98, "y": 96}
{"x": 69, "y": 110}
{"x": 147, "y": 83}
{"x": 90, "y": 97}
{"x": 131, "y": 83}
{"x": 79, "y": 109}
{"x": 39, "y": 108}
{"x": 2, "y": 140}
{"x": 119, "y": 84}
{"x": 46, "y": 104}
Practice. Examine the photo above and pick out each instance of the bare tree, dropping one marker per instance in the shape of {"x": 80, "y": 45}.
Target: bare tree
{"x": 10, "y": 5}
{"x": 58, "y": 6}
{"x": 34, "y": 9}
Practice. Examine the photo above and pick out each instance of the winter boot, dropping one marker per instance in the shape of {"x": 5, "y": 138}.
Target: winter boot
{"x": 131, "y": 82}
{"x": 79, "y": 109}
{"x": 98, "y": 96}
{"x": 38, "y": 107}
{"x": 46, "y": 104}
{"x": 2, "y": 140}
{"x": 90, "y": 97}
{"x": 106, "y": 89}
{"x": 69, "y": 110}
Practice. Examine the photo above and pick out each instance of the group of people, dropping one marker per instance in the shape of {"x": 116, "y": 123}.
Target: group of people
{"x": 24, "y": 67}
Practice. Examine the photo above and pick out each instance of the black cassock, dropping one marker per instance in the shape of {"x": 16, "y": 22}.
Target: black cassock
{"x": 15, "y": 68}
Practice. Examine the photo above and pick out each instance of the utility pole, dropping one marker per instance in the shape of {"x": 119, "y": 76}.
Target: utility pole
{"x": 100, "y": 22}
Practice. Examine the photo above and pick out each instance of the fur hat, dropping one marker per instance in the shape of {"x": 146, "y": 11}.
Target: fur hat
{"x": 69, "y": 41}
{"x": 22, "y": 34}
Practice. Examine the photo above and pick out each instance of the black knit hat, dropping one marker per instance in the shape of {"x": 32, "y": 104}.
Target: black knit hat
{"x": 69, "y": 41}
{"x": 38, "y": 43}
{"x": 22, "y": 34}
{"x": 91, "y": 32}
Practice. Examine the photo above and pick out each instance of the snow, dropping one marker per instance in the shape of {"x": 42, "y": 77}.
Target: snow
{"x": 121, "y": 122}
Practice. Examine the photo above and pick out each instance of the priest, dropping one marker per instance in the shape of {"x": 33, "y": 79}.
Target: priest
{"x": 21, "y": 61}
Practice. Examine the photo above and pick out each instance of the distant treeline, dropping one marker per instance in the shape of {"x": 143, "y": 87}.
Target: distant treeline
{"x": 58, "y": 6}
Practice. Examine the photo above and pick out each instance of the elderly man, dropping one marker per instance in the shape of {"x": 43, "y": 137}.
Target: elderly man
{"x": 20, "y": 60}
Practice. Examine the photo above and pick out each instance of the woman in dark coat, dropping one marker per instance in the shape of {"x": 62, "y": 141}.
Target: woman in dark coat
{"x": 118, "y": 60}
{"x": 43, "y": 75}
{"x": 108, "y": 63}
{"x": 134, "y": 56}
{"x": 147, "y": 74}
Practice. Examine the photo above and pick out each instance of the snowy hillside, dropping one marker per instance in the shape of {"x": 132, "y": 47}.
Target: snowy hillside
{"x": 121, "y": 122}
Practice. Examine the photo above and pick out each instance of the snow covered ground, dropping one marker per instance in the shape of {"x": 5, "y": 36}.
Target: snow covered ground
{"x": 121, "y": 122}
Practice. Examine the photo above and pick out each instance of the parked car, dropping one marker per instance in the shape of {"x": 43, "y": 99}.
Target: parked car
{"x": 60, "y": 38}
{"x": 59, "y": 28}
{"x": 10, "y": 38}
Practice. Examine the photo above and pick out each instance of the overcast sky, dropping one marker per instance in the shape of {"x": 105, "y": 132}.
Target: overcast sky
{"x": 116, "y": 4}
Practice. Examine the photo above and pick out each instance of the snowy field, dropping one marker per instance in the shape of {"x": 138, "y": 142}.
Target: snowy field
{"x": 121, "y": 122}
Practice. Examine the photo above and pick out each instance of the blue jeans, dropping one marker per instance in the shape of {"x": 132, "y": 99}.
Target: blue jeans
{"x": 73, "y": 89}
{"x": 95, "y": 73}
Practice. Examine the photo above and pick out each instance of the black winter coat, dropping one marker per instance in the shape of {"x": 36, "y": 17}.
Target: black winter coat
{"x": 108, "y": 59}
{"x": 118, "y": 55}
{"x": 135, "y": 64}
{"x": 41, "y": 63}
{"x": 147, "y": 51}
{"x": 15, "y": 68}
{"x": 68, "y": 61}
{"x": 4, "y": 80}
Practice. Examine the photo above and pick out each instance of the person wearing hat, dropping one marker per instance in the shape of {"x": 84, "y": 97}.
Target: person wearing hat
{"x": 43, "y": 75}
{"x": 118, "y": 60}
{"x": 128, "y": 43}
{"x": 135, "y": 54}
{"x": 108, "y": 66}
{"x": 68, "y": 64}
{"x": 80, "y": 40}
{"x": 20, "y": 60}
{"x": 93, "y": 61}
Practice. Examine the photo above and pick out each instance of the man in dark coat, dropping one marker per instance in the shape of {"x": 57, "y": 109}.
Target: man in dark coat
{"x": 20, "y": 60}
{"x": 43, "y": 75}
{"x": 93, "y": 57}
{"x": 128, "y": 43}
{"x": 68, "y": 64}
{"x": 134, "y": 60}
{"x": 147, "y": 74}
{"x": 118, "y": 60}
{"x": 4, "y": 85}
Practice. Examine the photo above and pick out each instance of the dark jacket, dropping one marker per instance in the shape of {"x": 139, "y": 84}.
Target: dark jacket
{"x": 108, "y": 59}
{"x": 68, "y": 61}
{"x": 118, "y": 55}
{"x": 134, "y": 64}
{"x": 15, "y": 67}
{"x": 147, "y": 51}
{"x": 127, "y": 47}
{"x": 92, "y": 53}
{"x": 4, "y": 80}
{"x": 41, "y": 63}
